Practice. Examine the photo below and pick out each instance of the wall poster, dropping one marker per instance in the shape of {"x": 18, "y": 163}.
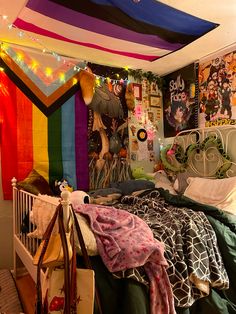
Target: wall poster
{"x": 217, "y": 90}
{"x": 180, "y": 100}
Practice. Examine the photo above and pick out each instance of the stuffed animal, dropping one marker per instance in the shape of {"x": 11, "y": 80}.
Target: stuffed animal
{"x": 61, "y": 185}
{"x": 79, "y": 197}
{"x": 138, "y": 173}
{"x": 129, "y": 97}
{"x": 87, "y": 84}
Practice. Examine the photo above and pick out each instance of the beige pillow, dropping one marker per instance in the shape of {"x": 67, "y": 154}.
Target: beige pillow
{"x": 220, "y": 193}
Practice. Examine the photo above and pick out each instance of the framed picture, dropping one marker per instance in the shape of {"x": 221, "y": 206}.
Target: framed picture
{"x": 155, "y": 101}
{"x": 154, "y": 90}
{"x": 137, "y": 91}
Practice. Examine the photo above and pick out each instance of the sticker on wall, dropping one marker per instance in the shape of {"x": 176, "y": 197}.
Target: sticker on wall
{"x": 142, "y": 135}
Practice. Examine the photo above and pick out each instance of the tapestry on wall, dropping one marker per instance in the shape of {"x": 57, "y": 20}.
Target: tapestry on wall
{"x": 217, "y": 90}
{"x": 180, "y": 103}
{"x": 55, "y": 146}
{"x": 107, "y": 128}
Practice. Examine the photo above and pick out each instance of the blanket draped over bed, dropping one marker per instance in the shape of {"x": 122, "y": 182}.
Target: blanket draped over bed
{"x": 195, "y": 262}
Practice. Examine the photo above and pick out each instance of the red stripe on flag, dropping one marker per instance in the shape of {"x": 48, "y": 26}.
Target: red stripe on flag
{"x": 9, "y": 134}
{"x": 24, "y": 135}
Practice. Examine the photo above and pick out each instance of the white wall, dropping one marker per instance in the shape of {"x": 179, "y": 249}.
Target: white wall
{"x": 6, "y": 234}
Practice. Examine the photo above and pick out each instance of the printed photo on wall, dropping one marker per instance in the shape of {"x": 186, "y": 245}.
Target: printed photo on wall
{"x": 217, "y": 90}
{"x": 155, "y": 101}
{"x": 179, "y": 101}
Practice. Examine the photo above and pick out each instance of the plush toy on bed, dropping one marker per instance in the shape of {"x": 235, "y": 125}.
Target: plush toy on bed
{"x": 61, "y": 185}
{"x": 138, "y": 173}
{"x": 79, "y": 197}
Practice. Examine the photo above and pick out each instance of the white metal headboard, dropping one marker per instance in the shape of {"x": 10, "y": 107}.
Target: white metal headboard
{"x": 205, "y": 152}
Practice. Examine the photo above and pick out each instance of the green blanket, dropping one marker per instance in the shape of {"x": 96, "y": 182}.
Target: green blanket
{"x": 224, "y": 224}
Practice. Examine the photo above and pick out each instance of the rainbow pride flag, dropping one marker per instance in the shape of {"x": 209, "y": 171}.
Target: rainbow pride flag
{"x": 55, "y": 146}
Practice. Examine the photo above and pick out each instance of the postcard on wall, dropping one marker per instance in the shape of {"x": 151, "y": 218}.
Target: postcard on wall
{"x": 217, "y": 90}
{"x": 180, "y": 101}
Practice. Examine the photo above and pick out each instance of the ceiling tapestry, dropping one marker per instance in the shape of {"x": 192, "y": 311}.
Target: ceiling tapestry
{"x": 147, "y": 30}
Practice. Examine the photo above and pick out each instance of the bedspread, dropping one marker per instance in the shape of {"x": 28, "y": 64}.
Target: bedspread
{"x": 191, "y": 249}
{"x": 125, "y": 241}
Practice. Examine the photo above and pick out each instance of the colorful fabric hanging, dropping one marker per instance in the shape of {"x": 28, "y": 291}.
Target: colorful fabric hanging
{"x": 55, "y": 146}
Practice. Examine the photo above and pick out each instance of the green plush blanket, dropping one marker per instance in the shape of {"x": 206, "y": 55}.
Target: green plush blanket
{"x": 224, "y": 224}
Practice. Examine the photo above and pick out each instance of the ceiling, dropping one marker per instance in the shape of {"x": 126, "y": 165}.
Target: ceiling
{"x": 216, "y": 11}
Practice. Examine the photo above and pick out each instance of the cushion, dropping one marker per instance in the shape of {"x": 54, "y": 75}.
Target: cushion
{"x": 35, "y": 183}
{"x": 220, "y": 193}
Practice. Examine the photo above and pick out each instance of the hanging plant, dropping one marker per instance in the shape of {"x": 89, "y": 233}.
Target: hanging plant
{"x": 139, "y": 75}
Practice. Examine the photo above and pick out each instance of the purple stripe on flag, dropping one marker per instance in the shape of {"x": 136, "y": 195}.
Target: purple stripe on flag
{"x": 89, "y": 23}
{"x": 38, "y": 30}
{"x": 81, "y": 143}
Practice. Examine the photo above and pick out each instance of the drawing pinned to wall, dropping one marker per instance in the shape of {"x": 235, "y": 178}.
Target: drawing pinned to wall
{"x": 217, "y": 90}
{"x": 137, "y": 91}
{"x": 155, "y": 101}
{"x": 145, "y": 122}
{"x": 180, "y": 101}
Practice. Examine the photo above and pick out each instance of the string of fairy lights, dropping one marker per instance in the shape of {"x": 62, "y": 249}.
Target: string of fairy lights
{"x": 75, "y": 63}
{"x": 60, "y": 58}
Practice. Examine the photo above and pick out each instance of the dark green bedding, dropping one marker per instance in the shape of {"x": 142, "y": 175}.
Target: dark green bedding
{"x": 126, "y": 296}
{"x": 224, "y": 225}
{"x": 118, "y": 296}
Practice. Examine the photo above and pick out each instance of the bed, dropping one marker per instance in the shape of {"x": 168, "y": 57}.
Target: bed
{"x": 196, "y": 224}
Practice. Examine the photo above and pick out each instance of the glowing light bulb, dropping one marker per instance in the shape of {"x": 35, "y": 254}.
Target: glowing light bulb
{"x": 34, "y": 65}
{"x": 62, "y": 77}
{"x": 48, "y": 72}
{"x": 74, "y": 81}
{"x": 19, "y": 57}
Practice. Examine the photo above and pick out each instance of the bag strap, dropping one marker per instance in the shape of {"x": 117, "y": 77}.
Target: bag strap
{"x": 87, "y": 261}
{"x": 46, "y": 237}
{"x": 62, "y": 232}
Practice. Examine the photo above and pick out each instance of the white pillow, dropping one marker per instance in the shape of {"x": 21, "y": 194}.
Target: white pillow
{"x": 220, "y": 193}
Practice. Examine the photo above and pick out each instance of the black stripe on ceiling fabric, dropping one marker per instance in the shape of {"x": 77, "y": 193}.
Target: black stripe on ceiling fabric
{"x": 116, "y": 16}
{"x": 35, "y": 100}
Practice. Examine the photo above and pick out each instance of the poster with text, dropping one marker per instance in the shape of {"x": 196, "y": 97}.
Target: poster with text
{"x": 180, "y": 100}
{"x": 217, "y": 90}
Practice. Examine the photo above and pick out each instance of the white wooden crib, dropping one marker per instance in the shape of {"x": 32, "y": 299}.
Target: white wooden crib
{"x": 24, "y": 247}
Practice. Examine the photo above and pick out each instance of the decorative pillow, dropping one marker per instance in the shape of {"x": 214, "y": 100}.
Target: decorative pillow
{"x": 35, "y": 183}
{"x": 220, "y": 193}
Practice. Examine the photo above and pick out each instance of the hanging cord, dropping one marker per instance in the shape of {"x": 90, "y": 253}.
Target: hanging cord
{"x": 86, "y": 259}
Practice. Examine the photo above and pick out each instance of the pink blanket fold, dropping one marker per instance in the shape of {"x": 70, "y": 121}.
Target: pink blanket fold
{"x": 125, "y": 241}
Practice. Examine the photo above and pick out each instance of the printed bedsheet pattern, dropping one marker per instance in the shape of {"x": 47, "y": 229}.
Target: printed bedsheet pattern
{"x": 195, "y": 262}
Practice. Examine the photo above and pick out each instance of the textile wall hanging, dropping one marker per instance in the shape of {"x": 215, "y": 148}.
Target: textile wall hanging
{"x": 47, "y": 81}
{"x": 55, "y": 146}
{"x": 108, "y": 129}
{"x": 180, "y": 100}
{"x": 146, "y": 30}
{"x": 217, "y": 90}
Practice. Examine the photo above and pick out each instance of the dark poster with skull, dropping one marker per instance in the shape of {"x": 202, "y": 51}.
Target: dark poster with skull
{"x": 180, "y": 100}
